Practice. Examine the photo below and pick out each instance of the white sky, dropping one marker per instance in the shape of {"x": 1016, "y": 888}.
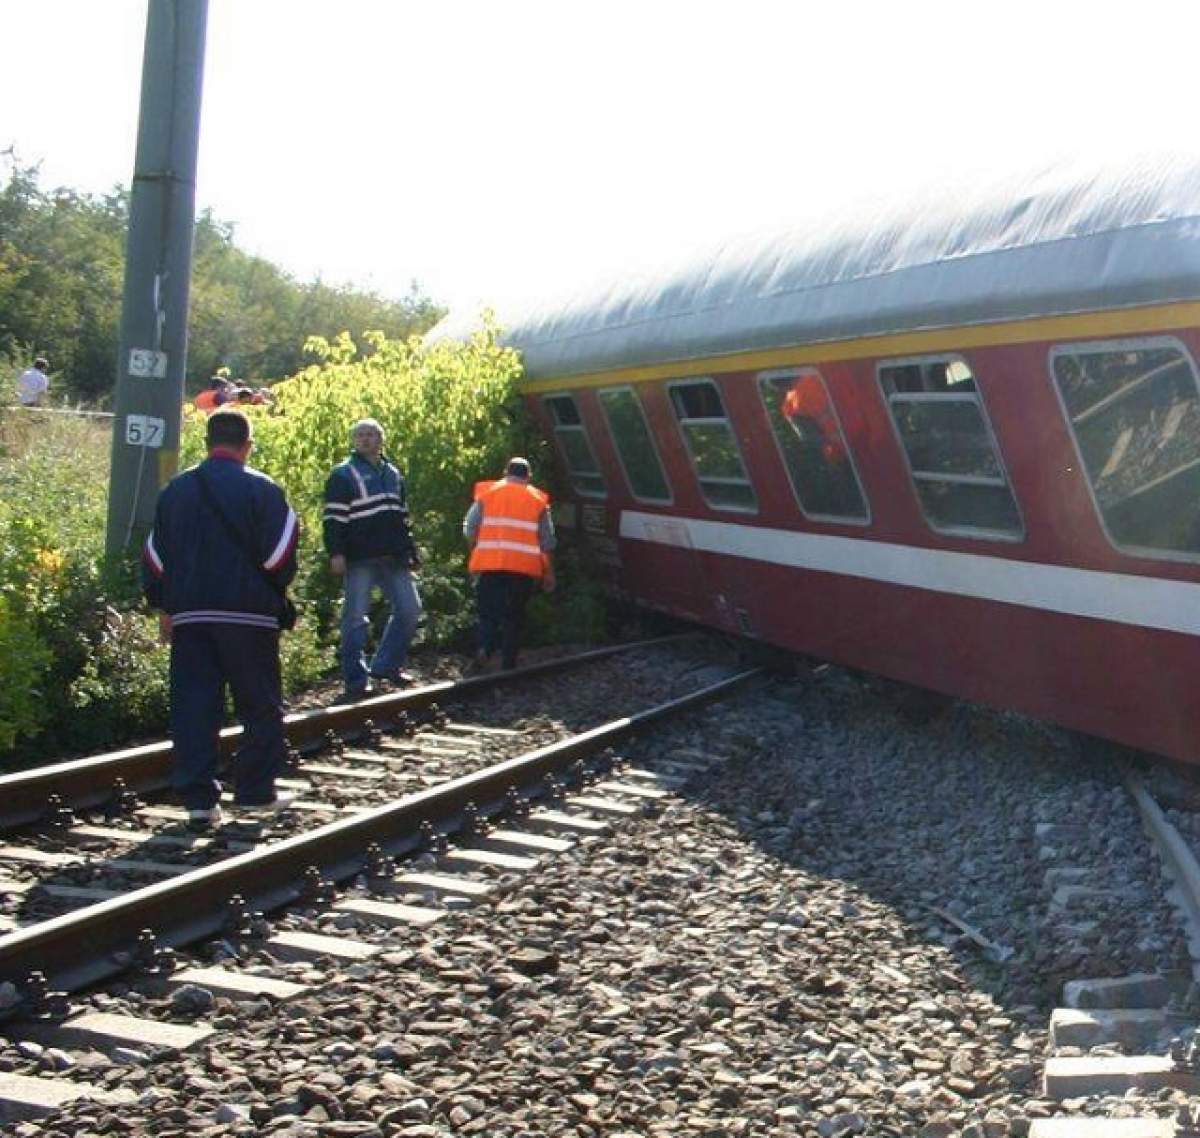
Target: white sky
{"x": 485, "y": 148}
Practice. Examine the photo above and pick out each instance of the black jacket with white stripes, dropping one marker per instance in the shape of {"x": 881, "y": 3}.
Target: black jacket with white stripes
{"x": 195, "y": 570}
{"x": 366, "y": 512}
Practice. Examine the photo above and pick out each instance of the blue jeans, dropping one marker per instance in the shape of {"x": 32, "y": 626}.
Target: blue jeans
{"x": 398, "y": 588}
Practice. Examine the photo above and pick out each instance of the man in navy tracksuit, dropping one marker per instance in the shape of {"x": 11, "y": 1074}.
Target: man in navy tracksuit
{"x": 369, "y": 541}
{"x": 222, "y": 614}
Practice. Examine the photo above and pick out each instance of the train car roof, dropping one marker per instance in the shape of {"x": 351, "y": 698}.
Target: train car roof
{"x": 1065, "y": 240}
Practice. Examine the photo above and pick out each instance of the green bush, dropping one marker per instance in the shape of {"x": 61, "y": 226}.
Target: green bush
{"x": 575, "y": 613}
{"x": 23, "y": 704}
{"x": 83, "y": 666}
{"x": 305, "y": 655}
{"x": 89, "y": 657}
{"x": 62, "y": 256}
{"x": 121, "y": 687}
{"x": 451, "y": 415}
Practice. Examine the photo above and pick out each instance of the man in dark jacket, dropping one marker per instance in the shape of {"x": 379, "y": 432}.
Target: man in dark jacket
{"x": 221, "y": 553}
{"x": 369, "y": 541}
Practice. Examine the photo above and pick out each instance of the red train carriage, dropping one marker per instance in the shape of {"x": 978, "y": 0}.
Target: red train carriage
{"x": 958, "y": 446}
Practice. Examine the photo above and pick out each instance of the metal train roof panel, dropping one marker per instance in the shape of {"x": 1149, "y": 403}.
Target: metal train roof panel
{"x": 1062, "y": 241}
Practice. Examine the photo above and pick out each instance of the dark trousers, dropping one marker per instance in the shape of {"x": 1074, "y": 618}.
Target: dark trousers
{"x": 204, "y": 658}
{"x": 501, "y": 599}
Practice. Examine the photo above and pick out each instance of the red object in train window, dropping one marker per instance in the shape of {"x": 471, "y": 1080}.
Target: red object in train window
{"x": 806, "y": 407}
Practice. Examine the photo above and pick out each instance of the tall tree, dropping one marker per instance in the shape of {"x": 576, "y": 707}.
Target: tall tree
{"x": 61, "y": 271}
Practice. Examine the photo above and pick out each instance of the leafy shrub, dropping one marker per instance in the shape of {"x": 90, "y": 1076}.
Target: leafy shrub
{"x": 23, "y": 707}
{"x": 575, "y": 613}
{"x": 451, "y": 415}
{"x": 121, "y": 687}
{"x": 82, "y": 665}
{"x": 305, "y": 655}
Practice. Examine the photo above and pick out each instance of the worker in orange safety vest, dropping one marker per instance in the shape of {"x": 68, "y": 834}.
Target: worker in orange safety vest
{"x": 511, "y": 536}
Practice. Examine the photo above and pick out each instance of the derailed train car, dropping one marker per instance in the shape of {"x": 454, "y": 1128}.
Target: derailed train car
{"x": 957, "y": 444}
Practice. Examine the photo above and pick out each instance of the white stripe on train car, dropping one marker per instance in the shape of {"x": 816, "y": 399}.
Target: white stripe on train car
{"x": 1149, "y": 602}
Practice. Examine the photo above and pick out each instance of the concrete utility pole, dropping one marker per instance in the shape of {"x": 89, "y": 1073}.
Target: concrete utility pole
{"x": 158, "y": 269}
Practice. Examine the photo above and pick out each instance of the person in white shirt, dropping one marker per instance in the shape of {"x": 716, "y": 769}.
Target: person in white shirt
{"x": 33, "y": 384}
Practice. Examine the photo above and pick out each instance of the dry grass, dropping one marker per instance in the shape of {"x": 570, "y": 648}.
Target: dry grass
{"x": 81, "y": 438}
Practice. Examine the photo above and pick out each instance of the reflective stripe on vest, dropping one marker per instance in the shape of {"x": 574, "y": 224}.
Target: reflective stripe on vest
{"x": 507, "y": 541}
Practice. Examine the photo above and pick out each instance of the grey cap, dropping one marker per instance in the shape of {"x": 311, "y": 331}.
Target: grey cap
{"x": 517, "y": 468}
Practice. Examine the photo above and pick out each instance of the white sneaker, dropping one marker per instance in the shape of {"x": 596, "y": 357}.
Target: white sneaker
{"x": 281, "y": 801}
{"x": 203, "y": 819}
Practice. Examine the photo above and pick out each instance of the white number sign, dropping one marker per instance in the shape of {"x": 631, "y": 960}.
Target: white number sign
{"x": 146, "y": 363}
{"x": 144, "y": 430}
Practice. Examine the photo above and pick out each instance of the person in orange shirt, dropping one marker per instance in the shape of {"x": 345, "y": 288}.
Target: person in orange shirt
{"x": 511, "y": 536}
{"x": 806, "y": 407}
{"x": 214, "y": 395}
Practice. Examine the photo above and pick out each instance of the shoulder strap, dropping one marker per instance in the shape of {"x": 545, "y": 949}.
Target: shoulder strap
{"x": 239, "y": 539}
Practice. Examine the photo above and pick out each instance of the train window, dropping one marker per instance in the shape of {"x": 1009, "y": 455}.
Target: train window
{"x": 952, "y": 455}
{"x": 712, "y": 445}
{"x": 573, "y": 442}
{"x": 635, "y": 445}
{"x": 806, "y": 428}
{"x": 1134, "y": 410}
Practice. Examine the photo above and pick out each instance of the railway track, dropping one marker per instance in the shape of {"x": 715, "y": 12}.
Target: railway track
{"x": 719, "y": 936}
{"x": 28, "y": 797}
{"x": 1124, "y": 1041}
{"x": 499, "y": 818}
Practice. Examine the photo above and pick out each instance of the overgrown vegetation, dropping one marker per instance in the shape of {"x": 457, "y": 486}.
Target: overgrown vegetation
{"x": 71, "y": 636}
{"x": 82, "y": 666}
{"x": 61, "y": 271}
{"x": 451, "y": 416}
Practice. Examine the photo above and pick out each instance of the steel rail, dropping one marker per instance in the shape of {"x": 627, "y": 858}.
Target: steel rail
{"x": 81, "y": 783}
{"x": 1177, "y": 858}
{"x": 89, "y": 944}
